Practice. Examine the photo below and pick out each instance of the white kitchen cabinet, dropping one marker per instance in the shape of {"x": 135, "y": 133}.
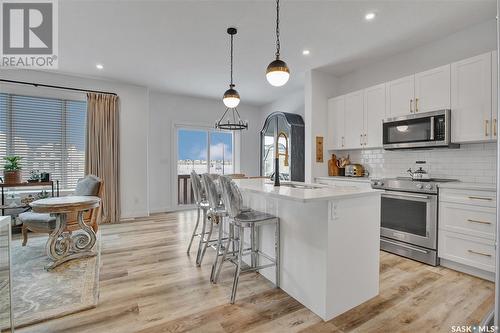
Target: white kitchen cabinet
{"x": 354, "y": 122}
{"x": 336, "y": 123}
{"x": 432, "y": 90}
{"x": 471, "y": 102}
{"x": 400, "y": 96}
{"x": 467, "y": 230}
{"x": 494, "y": 92}
{"x": 374, "y": 113}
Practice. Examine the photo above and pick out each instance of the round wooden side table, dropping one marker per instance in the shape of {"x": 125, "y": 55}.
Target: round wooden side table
{"x": 63, "y": 246}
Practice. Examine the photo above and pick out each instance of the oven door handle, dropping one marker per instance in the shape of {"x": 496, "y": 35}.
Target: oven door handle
{"x": 405, "y": 196}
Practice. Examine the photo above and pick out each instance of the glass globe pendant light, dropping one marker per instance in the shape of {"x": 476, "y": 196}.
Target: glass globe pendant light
{"x": 231, "y": 97}
{"x": 231, "y": 119}
{"x": 277, "y": 73}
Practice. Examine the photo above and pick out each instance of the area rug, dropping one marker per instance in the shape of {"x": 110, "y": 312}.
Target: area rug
{"x": 40, "y": 295}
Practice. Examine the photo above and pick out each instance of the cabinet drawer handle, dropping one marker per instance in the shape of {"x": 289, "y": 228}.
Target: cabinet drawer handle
{"x": 366, "y": 140}
{"x": 494, "y": 127}
{"x": 480, "y": 198}
{"x": 486, "y": 122}
{"x": 480, "y": 253}
{"x": 416, "y": 105}
{"x": 477, "y": 221}
{"x": 411, "y": 105}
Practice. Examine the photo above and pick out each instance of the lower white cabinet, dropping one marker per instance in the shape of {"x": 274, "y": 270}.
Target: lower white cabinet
{"x": 467, "y": 230}
{"x": 475, "y": 252}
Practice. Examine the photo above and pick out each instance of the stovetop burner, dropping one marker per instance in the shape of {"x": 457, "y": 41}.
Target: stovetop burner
{"x": 407, "y": 184}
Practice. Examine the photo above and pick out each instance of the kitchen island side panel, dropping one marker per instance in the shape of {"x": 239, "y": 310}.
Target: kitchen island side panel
{"x": 303, "y": 247}
{"x": 353, "y": 253}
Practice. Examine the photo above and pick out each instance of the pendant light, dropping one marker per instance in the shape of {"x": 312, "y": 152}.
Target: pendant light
{"x": 277, "y": 73}
{"x": 231, "y": 97}
{"x": 231, "y": 119}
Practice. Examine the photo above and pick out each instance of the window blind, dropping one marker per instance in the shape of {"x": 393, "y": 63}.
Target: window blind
{"x": 48, "y": 133}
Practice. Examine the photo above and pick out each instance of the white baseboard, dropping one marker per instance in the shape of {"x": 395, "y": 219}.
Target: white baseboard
{"x": 490, "y": 276}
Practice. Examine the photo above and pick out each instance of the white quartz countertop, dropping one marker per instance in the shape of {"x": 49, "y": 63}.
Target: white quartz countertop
{"x": 343, "y": 178}
{"x": 311, "y": 192}
{"x": 469, "y": 186}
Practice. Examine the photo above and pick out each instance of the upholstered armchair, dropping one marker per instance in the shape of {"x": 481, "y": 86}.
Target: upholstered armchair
{"x": 90, "y": 185}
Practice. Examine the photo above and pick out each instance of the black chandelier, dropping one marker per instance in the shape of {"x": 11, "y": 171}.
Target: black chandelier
{"x": 231, "y": 119}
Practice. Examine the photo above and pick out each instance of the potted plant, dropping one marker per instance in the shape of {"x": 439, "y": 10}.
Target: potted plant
{"x": 12, "y": 170}
{"x": 34, "y": 176}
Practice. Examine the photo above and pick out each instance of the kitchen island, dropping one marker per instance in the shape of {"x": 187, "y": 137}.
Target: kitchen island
{"x": 329, "y": 241}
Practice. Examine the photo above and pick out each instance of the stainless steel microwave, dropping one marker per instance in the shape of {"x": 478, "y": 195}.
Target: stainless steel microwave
{"x": 423, "y": 130}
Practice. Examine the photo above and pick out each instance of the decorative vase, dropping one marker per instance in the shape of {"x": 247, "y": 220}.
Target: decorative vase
{"x": 333, "y": 169}
{"x": 12, "y": 177}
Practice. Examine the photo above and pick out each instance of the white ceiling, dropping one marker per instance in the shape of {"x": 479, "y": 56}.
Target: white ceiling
{"x": 182, "y": 46}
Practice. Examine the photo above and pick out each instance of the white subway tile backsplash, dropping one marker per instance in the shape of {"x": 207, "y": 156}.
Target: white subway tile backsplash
{"x": 470, "y": 163}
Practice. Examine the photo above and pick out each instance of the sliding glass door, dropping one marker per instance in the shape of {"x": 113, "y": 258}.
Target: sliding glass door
{"x": 204, "y": 151}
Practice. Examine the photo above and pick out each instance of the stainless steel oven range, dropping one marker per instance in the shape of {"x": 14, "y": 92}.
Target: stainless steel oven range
{"x": 409, "y": 217}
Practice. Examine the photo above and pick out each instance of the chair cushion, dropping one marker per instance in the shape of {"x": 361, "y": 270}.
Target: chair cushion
{"x": 253, "y": 216}
{"x": 39, "y": 222}
{"x": 89, "y": 185}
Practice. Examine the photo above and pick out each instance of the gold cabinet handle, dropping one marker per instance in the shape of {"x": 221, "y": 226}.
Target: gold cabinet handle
{"x": 365, "y": 139}
{"x": 477, "y": 221}
{"x": 411, "y": 105}
{"x": 416, "y": 105}
{"x": 481, "y": 198}
{"x": 486, "y": 122}
{"x": 480, "y": 253}
{"x": 361, "y": 139}
{"x": 494, "y": 127}
{"x": 342, "y": 141}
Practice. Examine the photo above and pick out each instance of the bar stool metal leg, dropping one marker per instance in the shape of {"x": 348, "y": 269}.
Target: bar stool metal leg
{"x": 230, "y": 240}
{"x": 217, "y": 253}
{"x": 238, "y": 267}
{"x": 194, "y": 231}
{"x": 202, "y": 237}
{"x": 253, "y": 261}
{"x": 209, "y": 236}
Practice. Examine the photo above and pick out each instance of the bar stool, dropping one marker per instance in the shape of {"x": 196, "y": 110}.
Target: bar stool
{"x": 202, "y": 206}
{"x": 241, "y": 219}
{"x": 215, "y": 212}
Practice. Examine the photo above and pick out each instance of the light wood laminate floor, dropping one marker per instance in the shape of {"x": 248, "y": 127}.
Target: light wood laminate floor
{"x": 149, "y": 284}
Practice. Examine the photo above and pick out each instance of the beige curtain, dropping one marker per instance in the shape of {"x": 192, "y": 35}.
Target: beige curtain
{"x": 102, "y": 150}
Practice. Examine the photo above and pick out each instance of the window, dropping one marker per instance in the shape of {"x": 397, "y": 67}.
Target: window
{"x": 48, "y": 133}
{"x": 201, "y": 150}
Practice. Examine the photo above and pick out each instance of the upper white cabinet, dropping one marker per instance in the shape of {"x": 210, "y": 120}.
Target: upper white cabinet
{"x": 471, "y": 102}
{"x": 354, "y": 121}
{"x": 467, "y": 87}
{"x": 336, "y": 123}
{"x": 373, "y": 115}
{"x": 432, "y": 90}
{"x": 400, "y": 96}
{"x": 422, "y": 92}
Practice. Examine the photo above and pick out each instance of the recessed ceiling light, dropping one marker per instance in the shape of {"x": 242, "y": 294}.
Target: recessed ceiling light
{"x": 370, "y": 16}
{"x": 99, "y": 66}
{"x": 306, "y": 52}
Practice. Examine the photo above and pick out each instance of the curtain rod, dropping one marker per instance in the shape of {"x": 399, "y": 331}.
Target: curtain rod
{"x": 57, "y": 87}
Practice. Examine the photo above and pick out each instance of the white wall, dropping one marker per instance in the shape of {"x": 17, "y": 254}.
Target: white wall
{"x": 134, "y": 122}
{"x": 319, "y": 87}
{"x": 475, "y": 40}
{"x": 168, "y": 110}
{"x": 292, "y": 103}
